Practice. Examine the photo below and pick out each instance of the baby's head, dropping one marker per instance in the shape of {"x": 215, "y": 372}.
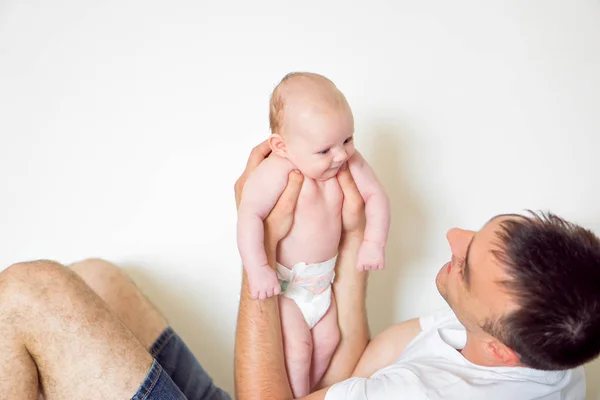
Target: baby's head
{"x": 311, "y": 124}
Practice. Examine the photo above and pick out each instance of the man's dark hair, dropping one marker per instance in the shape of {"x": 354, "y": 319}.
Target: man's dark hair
{"x": 554, "y": 276}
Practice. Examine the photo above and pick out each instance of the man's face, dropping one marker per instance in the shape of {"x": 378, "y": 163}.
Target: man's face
{"x": 470, "y": 281}
{"x": 320, "y": 143}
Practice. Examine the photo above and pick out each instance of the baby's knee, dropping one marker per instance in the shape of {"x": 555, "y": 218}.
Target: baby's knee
{"x": 299, "y": 350}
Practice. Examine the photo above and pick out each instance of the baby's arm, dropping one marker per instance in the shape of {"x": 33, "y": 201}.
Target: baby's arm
{"x": 371, "y": 255}
{"x": 261, "y": 192}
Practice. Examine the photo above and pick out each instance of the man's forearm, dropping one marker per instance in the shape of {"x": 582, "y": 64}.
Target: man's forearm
{"x": 259, "y": 363}
{"x": 350, "y": 291}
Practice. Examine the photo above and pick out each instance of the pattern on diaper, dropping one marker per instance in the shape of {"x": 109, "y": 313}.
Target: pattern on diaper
{"x": 316, "y": 284}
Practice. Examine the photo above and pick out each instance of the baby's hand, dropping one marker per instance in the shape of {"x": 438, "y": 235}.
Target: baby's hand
{"x": 370, "y": 256}
{"x": 263, "y": 282}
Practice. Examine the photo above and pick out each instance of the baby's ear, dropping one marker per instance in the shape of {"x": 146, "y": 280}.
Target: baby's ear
{"x": 278, "y": 145}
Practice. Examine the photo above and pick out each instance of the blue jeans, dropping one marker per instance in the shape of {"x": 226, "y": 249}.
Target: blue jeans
{"x": 176, "y": 374}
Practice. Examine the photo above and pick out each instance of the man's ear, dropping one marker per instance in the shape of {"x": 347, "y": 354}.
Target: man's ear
{"x": 278, "y": 145}
{"x": 502, "y": 354}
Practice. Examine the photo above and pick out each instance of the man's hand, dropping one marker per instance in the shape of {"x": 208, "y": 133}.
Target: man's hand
{"x": 257, "y": 155}
{"x": 353, "y": 207}
{"x": 279, "y": 221}
{"x": 259, "y": 360}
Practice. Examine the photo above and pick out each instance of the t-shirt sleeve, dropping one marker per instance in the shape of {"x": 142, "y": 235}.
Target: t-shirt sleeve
{"x": 394, "y": 386}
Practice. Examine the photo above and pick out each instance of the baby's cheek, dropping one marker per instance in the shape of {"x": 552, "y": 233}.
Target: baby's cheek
{"x": 350, "y": 151}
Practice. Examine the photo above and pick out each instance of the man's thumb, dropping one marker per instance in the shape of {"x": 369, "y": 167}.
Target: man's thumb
{"x": 289, "y": 197}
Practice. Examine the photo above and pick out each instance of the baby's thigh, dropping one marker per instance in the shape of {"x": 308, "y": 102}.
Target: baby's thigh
{"x": 297, "y": 339}
{"x": 326, "y": 333}
{"x": 326, "y": 337}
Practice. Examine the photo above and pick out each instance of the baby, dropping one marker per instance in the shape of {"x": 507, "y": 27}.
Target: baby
{"x": 312, "y": 131}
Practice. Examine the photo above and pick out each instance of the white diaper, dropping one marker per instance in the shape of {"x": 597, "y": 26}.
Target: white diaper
{"x": 309, "y": 285}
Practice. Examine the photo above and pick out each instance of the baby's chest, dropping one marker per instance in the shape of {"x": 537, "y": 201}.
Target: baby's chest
{"x": 320, "y": 198}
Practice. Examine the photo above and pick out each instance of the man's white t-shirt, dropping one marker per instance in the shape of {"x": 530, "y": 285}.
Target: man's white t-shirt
{"x": 430, "y": 367}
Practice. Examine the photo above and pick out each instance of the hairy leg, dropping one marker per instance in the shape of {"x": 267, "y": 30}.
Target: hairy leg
{"x": 123, "y": 298}
{"x": 297, "y": 346}
{"x": 18, "y": 373}
{"x": 325, "y": 338}
{"x": 50, "y": 319}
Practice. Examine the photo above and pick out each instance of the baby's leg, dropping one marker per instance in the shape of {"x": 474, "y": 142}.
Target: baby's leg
{"x": 325, "y": 338}
{"x": 297, "y": 345}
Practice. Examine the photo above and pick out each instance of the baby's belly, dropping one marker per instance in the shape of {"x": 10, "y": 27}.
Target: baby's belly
{"x": 315, "y": 235}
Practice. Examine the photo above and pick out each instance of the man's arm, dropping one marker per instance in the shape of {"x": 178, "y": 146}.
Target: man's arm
{"x": 386, "y": 347}
{"x": 350, "y": 289}
{"x": 259, "y": 361}
{"x": 259, "y": 364}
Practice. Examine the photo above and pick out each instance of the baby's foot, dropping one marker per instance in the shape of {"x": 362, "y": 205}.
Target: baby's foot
{"x": 371, "y": 256}
{"x": 263, "y": 282}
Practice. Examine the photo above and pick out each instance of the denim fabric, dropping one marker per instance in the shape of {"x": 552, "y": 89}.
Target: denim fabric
{"x": 176, "y": 374}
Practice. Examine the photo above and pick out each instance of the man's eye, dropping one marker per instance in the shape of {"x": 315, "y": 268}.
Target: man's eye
{"x": 324, "y": 151}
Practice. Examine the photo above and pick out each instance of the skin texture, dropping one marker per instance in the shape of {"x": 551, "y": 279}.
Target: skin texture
{"x": 83, "y": 344}
{"x": 316, "y": 138}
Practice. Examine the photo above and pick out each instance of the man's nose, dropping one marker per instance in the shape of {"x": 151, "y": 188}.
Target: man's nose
{"x": 459, "y": 240}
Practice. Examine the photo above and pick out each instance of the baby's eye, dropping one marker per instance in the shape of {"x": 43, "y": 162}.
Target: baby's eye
{"x": 348, "y": 140}
{"x": 324, "y": 151}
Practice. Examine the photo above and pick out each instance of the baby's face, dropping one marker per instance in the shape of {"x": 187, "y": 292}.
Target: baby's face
{"x": 319, "y": 144}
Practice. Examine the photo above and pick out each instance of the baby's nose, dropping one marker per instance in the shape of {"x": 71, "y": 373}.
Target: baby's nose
{"x": 340, "y": 155}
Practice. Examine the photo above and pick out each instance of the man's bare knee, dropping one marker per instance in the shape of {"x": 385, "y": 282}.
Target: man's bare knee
{"x": 109, "y": 282}
{"x": 99, "y": 274}
{"x": 123, "y": 297}
{"x": 32, "y": 274}
{"x": 38, "y": 266}
{"x": 54, "y": 314}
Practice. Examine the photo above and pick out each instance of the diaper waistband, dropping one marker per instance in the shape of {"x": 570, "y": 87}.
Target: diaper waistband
{"x": 315, "y": 278}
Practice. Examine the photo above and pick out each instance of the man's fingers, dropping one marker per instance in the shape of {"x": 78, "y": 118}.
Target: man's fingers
{"x": 348, "y": 186}
{"x": 258, "y": 154}
{"x": 289, "y": 197}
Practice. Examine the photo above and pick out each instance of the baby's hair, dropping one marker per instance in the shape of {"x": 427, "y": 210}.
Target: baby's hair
{"x": 277, "y": 103}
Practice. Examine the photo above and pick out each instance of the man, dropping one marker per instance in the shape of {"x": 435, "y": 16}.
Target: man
{"x": 86, "y": 332}
{"x": 524, "y": 294}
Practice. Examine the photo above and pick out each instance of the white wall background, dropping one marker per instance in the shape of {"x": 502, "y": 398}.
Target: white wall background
{"x": 124, "y": 124}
